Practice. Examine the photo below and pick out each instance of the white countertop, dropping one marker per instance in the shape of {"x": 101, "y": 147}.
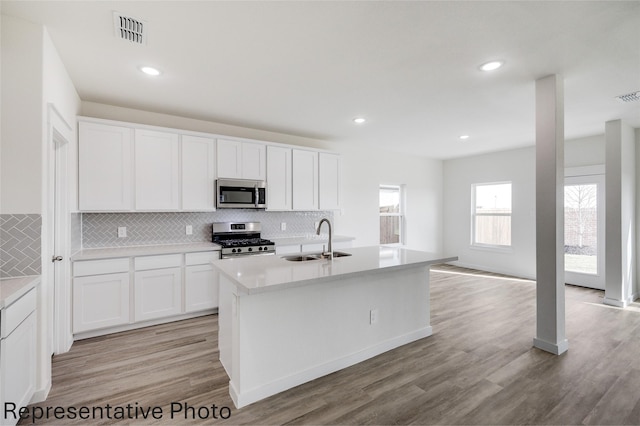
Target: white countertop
{"x": 256, "y": 274}
{"x": 309, "y": 239}
{"x": 11, "y": 289}
{"x": 112, "y": 252}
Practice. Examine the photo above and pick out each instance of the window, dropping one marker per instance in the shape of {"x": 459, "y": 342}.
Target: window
{"x": 391, "y": 214}
{"x": 491, "y": 215}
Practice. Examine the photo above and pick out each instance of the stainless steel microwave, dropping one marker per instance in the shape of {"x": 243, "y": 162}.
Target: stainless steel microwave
{"x": 241, "y": 194}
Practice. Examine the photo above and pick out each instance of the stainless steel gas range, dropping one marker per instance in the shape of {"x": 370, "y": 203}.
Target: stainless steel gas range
{"x": 241, "y": 239}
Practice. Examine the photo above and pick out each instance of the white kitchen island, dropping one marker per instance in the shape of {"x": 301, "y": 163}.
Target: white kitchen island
{"x": 284, "y": 323}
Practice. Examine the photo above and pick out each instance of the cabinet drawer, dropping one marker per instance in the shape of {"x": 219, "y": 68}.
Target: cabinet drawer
{"x": 157, "y": 262}
{"x": 99, "y": 267}
{"x": 15, "y": 313}
{"x": 201, "y": 258}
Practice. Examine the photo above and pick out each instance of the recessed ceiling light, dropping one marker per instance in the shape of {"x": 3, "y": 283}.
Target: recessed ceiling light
{"x": 463, "y": 137}
{"x": 150, "y": 71}
{"x": 359, "y": 120}
{"x": 490, "y": 66}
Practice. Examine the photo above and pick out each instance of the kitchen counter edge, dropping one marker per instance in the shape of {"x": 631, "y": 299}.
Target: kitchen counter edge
{"x": 132, "y": 251}
{"x": 13, "y": 288}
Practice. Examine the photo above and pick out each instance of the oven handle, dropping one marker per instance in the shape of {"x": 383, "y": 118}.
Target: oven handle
{"x": 233, "y": 256}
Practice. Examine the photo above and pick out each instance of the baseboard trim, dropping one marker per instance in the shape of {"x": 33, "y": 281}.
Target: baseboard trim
{"x": 554, "y": 348}
{"x": 256, "y": 394}
{"x": 615, "y": 302}
{"x": 127, "y": 327}
{"x": 41, "y": 394}
{"x": 514, "y": 274}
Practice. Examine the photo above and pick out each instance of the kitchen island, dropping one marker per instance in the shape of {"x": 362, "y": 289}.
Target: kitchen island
{"x": 283, "y": 323}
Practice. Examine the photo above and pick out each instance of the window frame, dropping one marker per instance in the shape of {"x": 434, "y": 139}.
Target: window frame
{"x": 474, "y": 214}
{"x": 401, "y": 214}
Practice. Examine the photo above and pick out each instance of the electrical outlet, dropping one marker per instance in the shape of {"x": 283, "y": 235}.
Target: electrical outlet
{"x": 189, "y": 230}
{"x": 283, "y": 226}
{"x": 122, "y": 232}
{"x": 373, "y": 316}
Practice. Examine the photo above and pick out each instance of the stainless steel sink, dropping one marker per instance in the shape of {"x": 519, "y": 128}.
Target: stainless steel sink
{"x": 301, "y": 258}
{"x": 314, "y": 256}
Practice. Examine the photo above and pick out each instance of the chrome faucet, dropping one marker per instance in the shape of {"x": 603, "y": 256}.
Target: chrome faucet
{"x": 328, "y": 253}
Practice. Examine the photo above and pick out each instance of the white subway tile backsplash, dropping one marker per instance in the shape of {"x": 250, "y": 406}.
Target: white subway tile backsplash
{"x": 20, "y": 245}
{"x": 101, "y": 229}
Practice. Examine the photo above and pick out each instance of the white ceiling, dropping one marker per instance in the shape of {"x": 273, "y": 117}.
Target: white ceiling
{"x": 307, "y": 68}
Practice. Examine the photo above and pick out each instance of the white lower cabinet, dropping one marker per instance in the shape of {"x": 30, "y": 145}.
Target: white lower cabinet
{"x": 109, "y": 294}
{"x": 100, "y": 294}
{"x": 158, "y": 293}
{"x": 200, "y": 281}
{"x": 100, "y": 301}
{"x": 18, "y": 355}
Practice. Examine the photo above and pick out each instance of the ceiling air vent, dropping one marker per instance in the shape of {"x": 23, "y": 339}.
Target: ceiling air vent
{"x": 130, "y": 29}
{"x": 629, "y": 97}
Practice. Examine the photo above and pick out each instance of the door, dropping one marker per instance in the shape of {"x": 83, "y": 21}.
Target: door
{"x": 584, "y": 230}
{"x": 56, "y": 268}
{"x": 198, "y": 174}
{"x": 305, "y": 180}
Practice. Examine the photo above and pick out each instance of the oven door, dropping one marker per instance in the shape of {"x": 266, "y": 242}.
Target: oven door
{"x": 241, "y": 194}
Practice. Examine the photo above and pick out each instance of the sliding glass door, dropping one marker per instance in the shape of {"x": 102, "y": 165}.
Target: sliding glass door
{"x": 584, "y": 231}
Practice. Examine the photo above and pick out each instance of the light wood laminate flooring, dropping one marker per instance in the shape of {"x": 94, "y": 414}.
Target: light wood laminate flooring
{"x": 479, "y": 367}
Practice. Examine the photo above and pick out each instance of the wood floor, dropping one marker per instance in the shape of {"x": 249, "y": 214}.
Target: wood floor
{"x": 479, "y": 367}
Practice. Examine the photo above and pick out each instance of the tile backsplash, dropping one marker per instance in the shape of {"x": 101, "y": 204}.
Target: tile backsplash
{"x": 101, "y": 229}
{"x": 20, "y": 245}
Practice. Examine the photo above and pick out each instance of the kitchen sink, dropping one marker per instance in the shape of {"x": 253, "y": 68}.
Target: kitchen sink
{"x": 314, "y": 256}
{"x": 301, "y": 258}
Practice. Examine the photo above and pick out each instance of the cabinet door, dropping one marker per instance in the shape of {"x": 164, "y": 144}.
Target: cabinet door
{"x": 100, "y": 301}
{"x": 198, "y": 174}
{"x": 279, "y": 178}
{"x": 157, "y": 293}
{"x": 104, "y": 168}
{"x": 200, "y": 288}
{"x": 229, "y": 159}
{"x": 329, "y": 181}
{"x": 157, "y": 170}
{"x": 18, "y": 366}
{"x": 305, "y": 180}
{"x": 254, "y": 161}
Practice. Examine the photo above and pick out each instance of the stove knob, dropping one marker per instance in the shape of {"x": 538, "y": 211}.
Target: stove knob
{"x": 233, "y": 250}
{"x": 239, "y": 250}
{"x": 250, "y": 249}
{"x": 265, "y": 248}
{"x": 259, "y": 248}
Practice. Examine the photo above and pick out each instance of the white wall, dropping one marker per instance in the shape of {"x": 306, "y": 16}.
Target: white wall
{"x": 21, "y": 143}
{"x": 363, "y": 170}
{"x": 517, "y": 166}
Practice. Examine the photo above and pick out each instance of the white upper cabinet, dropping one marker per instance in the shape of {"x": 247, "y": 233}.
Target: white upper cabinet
{"x": 254, "y": 161}
{"x": 198, "y": 173}
{"x": 241, "y": 160}
{"x": 279, "y": 183}
{"x": 305, "y": 179}
{"x": 105, "y": 167}
{"x": 157, "y": 170}
{"x": 229, "y": 159}
{"x": 329, "y": 180}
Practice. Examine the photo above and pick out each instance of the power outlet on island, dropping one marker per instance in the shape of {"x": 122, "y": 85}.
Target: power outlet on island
{"x": 122, "y": 232}
{"x": 373, "y": 316}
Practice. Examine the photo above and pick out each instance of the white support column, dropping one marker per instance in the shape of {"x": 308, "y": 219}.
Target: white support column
{"x": 550, "y": 308}
{"x": 620, "y": 214}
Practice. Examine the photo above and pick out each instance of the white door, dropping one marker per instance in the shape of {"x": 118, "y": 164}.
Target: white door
{"x": 584, "y": 230}
{"x": 56, "y": 267}
{"x": 278, "y": 178}
{"x": 157, "y": 293}
{"x": 305, "y": 180}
